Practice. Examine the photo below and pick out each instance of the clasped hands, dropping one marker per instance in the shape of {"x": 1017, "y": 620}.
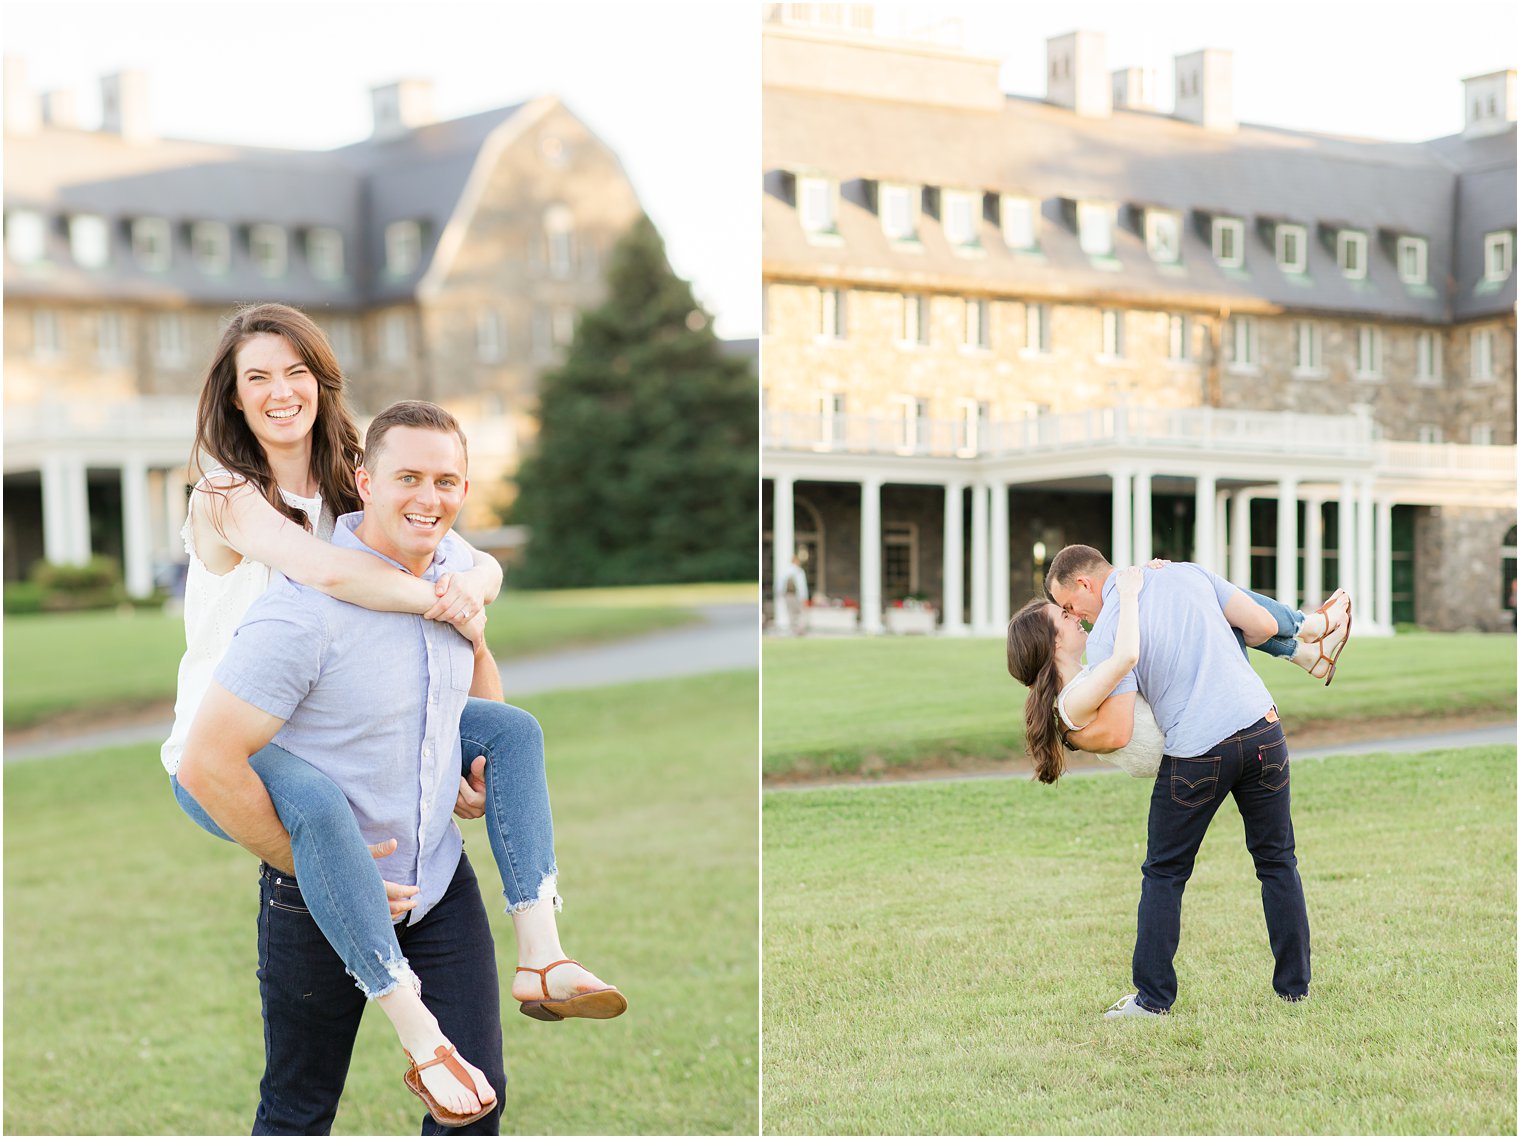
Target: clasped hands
{"x": 470, "y": 803}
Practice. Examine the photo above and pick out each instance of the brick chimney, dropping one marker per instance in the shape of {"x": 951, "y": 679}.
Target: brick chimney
{"x": 1205, "y": 89}
{"x": 124, "y": 105}
{"x": 1134, "y": 89}
{"x": 60, "y": 110}
{"x": 401, "y": 106}
{"x": 1489, "y": 102}
{"x": 1075, "y": 74}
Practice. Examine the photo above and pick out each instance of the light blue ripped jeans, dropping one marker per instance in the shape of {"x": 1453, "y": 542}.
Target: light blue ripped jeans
{"x": 339, "y": 878}
{"x": 1289, "y": 621}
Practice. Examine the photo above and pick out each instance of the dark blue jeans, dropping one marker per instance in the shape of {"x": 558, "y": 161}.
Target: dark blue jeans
{"x": 1252, "y": 765}
{"x": 312, "y": 1008}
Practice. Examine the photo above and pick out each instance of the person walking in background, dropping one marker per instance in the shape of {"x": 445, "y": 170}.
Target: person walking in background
{"x": 795, "y": 589}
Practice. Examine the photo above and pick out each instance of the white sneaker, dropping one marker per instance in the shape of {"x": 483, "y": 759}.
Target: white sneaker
{"x": 1130, "y": 1006}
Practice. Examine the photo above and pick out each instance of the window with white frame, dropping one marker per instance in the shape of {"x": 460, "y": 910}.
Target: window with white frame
{"x": 1411, "y": 252}
{"x": 1037, "y": 329}
{"x": 972, "y": 415}
{"x": 1308, "y": 348}
{"x": 324, "y": 252}
{"x": 559, "y": 232}
{"x": 395, "y": 338}
{"x": 899, "y": 559}
{"x": 915, "y": 318}
{"x": 1178, "y": 338}
{"x": 1351, "y": 253}
{"x": 1482, "y": 435}
{"x": 1229, "y": 240}
{"x": 1243, "y": 341}
{"x": 1498, "y": 255}
{"x": 913, "y": 420}
{"x": 151, "y": 243}
{"x": 898, "y": 208}
{"x": 171, "y": 346}
{"x": 961, "y": 215}
{"x": 1427, "y": 357}
{"x": 25, "y": 236}
{"x": 1112, "y": 345}
{"x": 541, "y": 334}
{"x": 211, "y": 247}
{"x": 564, "y": 326}
{"x": 111, "y": 338}
{"x": 403, "y": 247}
{"x": 89, "y": 240}
{"x": 1481, "y": 343}
{"x": 1292, "y": 248}
{"x": 489, "y": 341}
{"x": 266, "y": 245}
{"x": 978, "y": 334}
{"x": 831, "y": 314}
{"x": 1369, "y": 352}
{"x": 1095, "y": 228}
{"x": 815, "y": 204}
{"x": 831, "y": 423}
{"x": 344, "y": 338}
{"x": 47, "y": 334}
{"x": 1163, "y": 236}
{"x": 1428, "y": 433}
{"x": 1020, "y": 217}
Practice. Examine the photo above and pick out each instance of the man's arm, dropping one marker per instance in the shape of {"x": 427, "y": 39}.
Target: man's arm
{"x": 1111, "y": 728}
{"x": 1252, "y": 619}
{"x": 487, "y": 681}
{"x": 215, "y": 770}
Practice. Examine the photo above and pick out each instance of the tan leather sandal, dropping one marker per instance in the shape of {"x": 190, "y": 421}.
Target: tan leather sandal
{"x": 1344, "y": 632}
{"x": 443, "y": 1115}
{"x": 598, "y": 1004}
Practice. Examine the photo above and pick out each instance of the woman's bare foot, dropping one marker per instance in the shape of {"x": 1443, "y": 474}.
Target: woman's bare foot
{"x": 1326, "y": 619}
{"x": 564, "y": 981}
{"x": 445, "y": 1088}
{"x": 1308, "y": 658}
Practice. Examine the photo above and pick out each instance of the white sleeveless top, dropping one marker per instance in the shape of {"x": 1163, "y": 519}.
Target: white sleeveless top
{"x": 1141, "y": 757}
{"x": 214, "y": 607}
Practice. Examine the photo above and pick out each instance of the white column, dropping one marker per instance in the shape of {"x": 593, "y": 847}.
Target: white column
{"x": 1346, "y": 549}
{"x": 1314, "y": 552}
{"x": 870, "y": 556}
{"x": 1240, "y": 538}
{"x": 1364, "y": 549}
{"x": 954, "y": 594}
{"x": 136, "y": 528}
{"x": 1221, "y": 563}
{"x": 1119, "y": 547}
{"x": 1384, "y": 565}
{"x": 979, "y": 525}
{"x": 1205, "y": 509}
{"x": 1140, "y": 550}
{"x": 998, "y": 608}
{"x": 1287, "y": 541}
{"x": 783, "y": 543}
{"x": 65, "y": 511}
{"x": 175, "y": 509}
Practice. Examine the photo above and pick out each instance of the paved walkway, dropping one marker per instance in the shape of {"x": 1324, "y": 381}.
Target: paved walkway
{"x": 728, "y": 637}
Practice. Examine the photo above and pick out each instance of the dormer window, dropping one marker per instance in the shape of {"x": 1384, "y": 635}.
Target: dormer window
{"x": 25, "y": 236}
{"x": 1229, "y": 240}
{"x": 1410, "y": 252}
{"x": 266, "y": 245}
{"x": 559, "y": 231}
{"x": 403, "y": 247}
{"x": 1292, "y": 249}
{"x": 960, "y": 217}
{"x": 815, "y": 205}
{"x": 897, "y": 205}
{"x": 1498, "y": 255}
{"x": 1351, "y": 253}
{"x": 210, "y": 247}
{"x": 89, "y": 240}
{"x": 324, "y": 252}
{"x": 1019, "y": 216}
{"x": 1095, "y": 228}
{"x": 1163, "y": 236}
{"x": 151, "y": 243}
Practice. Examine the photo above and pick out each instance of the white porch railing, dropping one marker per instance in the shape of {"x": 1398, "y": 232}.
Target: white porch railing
{"x": 1455, "y": 460}
{"x": 149, "y": 418}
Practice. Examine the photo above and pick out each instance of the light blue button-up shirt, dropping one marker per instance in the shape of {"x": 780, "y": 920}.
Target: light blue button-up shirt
{"x": 373, "y": 701}
{"x": 1191, "y": 670}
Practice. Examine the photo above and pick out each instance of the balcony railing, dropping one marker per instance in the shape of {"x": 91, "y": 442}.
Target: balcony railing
{"x": 155, "y": 419}
{"x": 1452, "y": 460}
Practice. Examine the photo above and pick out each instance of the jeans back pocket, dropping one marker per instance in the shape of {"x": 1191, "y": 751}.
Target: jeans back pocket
{"x": 1195, "y": 781}
{"x": 1274, "y": 764}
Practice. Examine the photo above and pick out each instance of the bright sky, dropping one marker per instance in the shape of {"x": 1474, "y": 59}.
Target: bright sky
{"x": 673, "y": 88}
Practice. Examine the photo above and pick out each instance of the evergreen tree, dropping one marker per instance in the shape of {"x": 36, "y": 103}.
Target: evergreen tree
{"x": 646, "y": 464}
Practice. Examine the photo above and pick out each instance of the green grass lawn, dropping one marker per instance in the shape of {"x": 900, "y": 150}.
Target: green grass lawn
{"x": 131, "y": 1005}
{"x": 88, "y": 661}
{"x": 937, "y": 957}
{"x": 869, "y": 703}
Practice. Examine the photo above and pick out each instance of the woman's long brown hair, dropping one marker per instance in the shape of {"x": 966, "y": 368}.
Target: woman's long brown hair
{"x": 222, "y": 433}
{"x": 1032, "y": 662}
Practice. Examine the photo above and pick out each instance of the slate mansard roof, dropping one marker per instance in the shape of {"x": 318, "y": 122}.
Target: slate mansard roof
{"x": 1450, "y": 191}
{"x": 357, "y": 190}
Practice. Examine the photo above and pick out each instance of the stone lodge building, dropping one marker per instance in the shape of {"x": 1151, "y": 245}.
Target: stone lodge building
{"x": 995, "y": 325}
{"x": 446, "y": 261}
